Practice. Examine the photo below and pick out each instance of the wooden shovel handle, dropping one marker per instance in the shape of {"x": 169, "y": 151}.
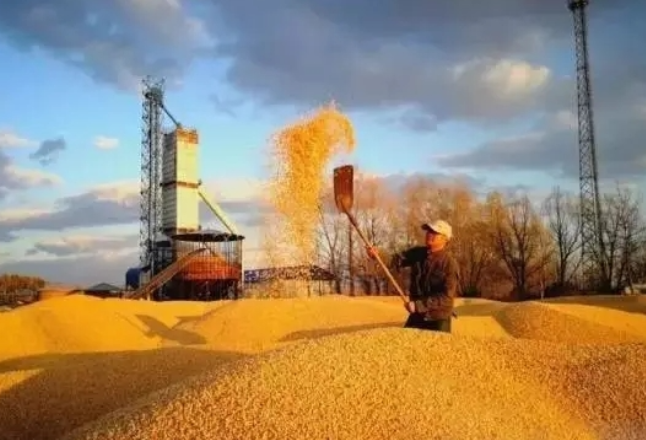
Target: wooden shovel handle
{"x": 392, "y": 280}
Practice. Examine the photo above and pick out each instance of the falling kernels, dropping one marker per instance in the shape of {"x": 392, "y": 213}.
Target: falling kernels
{"x": 300, "y": 154}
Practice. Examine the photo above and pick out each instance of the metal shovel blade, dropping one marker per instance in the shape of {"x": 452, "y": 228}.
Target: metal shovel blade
{"x": 344, "y": 187}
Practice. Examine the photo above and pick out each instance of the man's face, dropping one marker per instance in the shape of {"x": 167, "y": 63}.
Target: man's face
{"x": 434, "y": 240}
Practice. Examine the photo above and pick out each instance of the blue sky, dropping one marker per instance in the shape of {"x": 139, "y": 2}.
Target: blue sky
{"x": 508, "y": 83}
{"x": 72, "y": 105}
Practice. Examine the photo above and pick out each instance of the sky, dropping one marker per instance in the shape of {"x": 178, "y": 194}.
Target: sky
{"x": 485, "y": 90}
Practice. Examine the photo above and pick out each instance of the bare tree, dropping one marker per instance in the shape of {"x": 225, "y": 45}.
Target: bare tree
{"x": 638, "y": 263}
{"x": 457, "y": 203}
{"x": 331, "y": 240}
{"x": 518, "y": 236}
{"x": 622, "y": 233}
{"x": 502, "y": 245}
{"x": 561, "y": 212}
{"x": 418, "y": 204}
{"x": 373, "y": 209}
{"x": 475, "y": 255}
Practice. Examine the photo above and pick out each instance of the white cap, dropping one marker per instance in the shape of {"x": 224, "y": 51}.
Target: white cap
{"x": 439, "y": 226}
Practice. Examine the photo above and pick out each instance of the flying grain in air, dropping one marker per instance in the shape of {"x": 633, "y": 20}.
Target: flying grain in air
{"x": 300, "y": 154}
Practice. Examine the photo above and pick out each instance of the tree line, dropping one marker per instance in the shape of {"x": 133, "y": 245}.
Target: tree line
{"x": 508, "y": 245}
{"x": 11, "y": 283}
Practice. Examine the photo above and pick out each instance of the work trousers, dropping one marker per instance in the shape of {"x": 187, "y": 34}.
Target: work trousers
{"x": 416, "y": 320}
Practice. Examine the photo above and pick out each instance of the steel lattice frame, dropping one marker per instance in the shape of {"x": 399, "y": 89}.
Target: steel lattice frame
{"x": 151, "y": 163}
{"x": 593, "y": 249}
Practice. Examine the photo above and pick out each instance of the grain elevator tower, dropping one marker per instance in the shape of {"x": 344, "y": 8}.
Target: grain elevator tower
{"x": 180, "y": 182}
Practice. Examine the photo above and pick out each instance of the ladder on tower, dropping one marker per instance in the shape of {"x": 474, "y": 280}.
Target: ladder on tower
{"x": 165, "y": 275}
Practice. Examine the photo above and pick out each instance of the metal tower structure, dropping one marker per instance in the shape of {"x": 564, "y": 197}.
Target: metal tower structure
{"x": 592, "y": 240}
{"x": 151, "y": 162}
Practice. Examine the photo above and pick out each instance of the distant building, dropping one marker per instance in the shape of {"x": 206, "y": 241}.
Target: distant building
{"x": 104, "y": 290}
{"x": 288, "y": 281}
{"x": 55, "y": 290}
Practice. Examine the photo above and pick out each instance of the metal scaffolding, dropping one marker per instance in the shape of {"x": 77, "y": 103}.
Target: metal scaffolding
{"x": 151, "y": 148}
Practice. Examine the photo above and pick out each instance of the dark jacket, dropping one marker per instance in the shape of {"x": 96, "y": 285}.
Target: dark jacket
{"x": 433, "y": 280}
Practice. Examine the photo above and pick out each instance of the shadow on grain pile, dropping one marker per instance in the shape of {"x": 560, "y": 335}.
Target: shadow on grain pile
{"x": 478, "y": 307}
{"x": 54, "y": 393}
{"x": 532, "y": 320}
{"x": 79, "y": 324}
{"x": 400, "y": 384}
{"x": 474, "y": 307}
{"x": 78, "y": 357}
{"x": 170, "y": 335}
{"x": 257, "y": 325}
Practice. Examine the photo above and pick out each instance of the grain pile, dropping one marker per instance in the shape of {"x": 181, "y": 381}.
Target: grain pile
{"x": 79, "y": 323}
{"x": 536, "y": 321}
{"x": 44, "y": 396}
{"x": 627, "y": 303}
{"x": 343, "y": 368}
{"x": 394, "y": 384}
{"x": 257, "y": 325}
{"x": 70, "y": 324}
{"x": 300, "y": 154}
{"x": 623, "y": 319}
{"x": 476, "y": 316}
{"x": 74, "y": 358}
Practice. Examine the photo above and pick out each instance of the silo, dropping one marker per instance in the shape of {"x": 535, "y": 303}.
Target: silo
{"x": 179, "y": 184}
{"x": 213, "y": 274}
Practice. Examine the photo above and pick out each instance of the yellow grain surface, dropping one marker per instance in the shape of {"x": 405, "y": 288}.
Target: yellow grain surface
{"x": 53, "y": 393}
{"x": 70, "y": 324}
{"x": 79, "y": 323}
{"x": 618, "y": 319}
{"x": 628, "y": 303}
{"x": 533, "y": 320}
{"x": 344, "y": 369}
{"x": 475, "y": 315}
{"x": 394, "y": 384}
{"x": 256, "y": 325}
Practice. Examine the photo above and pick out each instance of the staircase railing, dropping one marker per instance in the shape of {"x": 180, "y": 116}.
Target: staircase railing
{"x": 165, "y": 275}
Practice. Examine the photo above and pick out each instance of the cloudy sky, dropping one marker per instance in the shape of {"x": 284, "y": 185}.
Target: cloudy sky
{"x": 445, "y": 86}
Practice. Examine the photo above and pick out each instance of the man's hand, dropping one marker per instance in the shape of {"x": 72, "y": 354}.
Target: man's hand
{"x": 410, "y": 306}
{"x": 372, "y": 252}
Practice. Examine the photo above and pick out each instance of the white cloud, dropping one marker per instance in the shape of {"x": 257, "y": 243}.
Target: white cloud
{"x": 115, "y": 203}
{"x": 15, "y": 178}
{"x": 117, "y": 191}
{"x": 20, "y": 214}
{"x": 69, "y": 245}
{"x": 29, "y": 178}
{"x": 118, "y": 203}
{"x": 507, "y": 78}
{"x": 552, "y": 146}
{"x": 116, "y": 41}
{"x": 238, "y": 189}
{"x": 10, "y": 139}
{"x": 106, "y": 143}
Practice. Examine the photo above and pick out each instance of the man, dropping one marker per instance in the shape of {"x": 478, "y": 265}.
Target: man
{"x": 433, "y": 279}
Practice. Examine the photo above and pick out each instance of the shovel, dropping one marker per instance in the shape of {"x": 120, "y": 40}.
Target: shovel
{"x": 344, "y": 198}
